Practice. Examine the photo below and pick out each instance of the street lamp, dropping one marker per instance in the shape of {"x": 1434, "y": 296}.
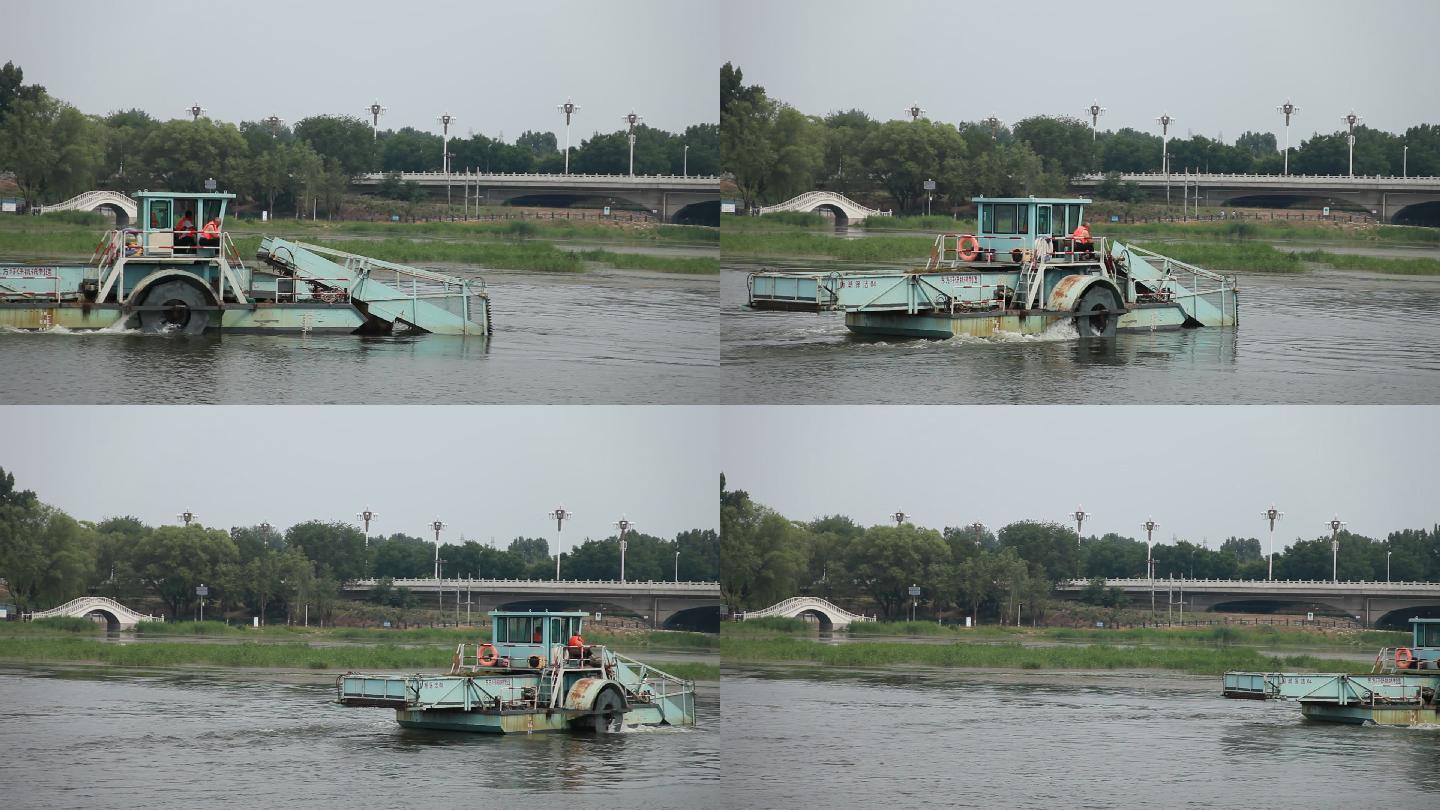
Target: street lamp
{"x": 366, "y": 516}
{"x": 1335, "y": 524}
{"x": 195, "y": 111}
{"x": 1079, "y": 516}
{"x": 375, "y": 111}
{"x": 569, "y": 108}
{"x": 187, "y": 516}
{"x": 274, "y": 121}
{"x": 1272, "y": 514}
{"x": 915, "y": 111}
{"x": 1165, "y": 121}
{"x": 994, "y": 123}
{"x": 624, "y": 526}
{"x": 677, "y": 564}
{"x": 685, "y": 161}
{"x": 1288, "y": 109}
{"x": 1387, "y": 566}
{"x": 630, "y": 121}
{"x": 559, "y": 516}
{"x": 1150, "y": 526}
{"x": 1405, "y": 162}
{"x": 899, "y": 517}
{"x": 436, "y": 526}
{"x": 445, "y": 119}
{"x": 979, "y": 531}
{"x": 1350, "y": 121}
{"x": 1095, "y": 111}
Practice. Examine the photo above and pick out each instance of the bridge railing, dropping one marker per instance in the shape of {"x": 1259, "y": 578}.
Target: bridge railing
{"x": 541, "y": 583}
{"x": 696, "y": 179}
{"x": 1275, "y": 179}
{"x": 1252, "y": 584}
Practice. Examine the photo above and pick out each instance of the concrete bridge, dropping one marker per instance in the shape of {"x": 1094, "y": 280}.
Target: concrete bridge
{"x": 120, "y": 206}
{"x": 669, "y": 196}
{"x": 844, "y": 209}
{"x": 1389, "y": 197}
{"x": 1373, "y": 603}
{"x": 116, "y": 615}
{"x": 827, "y": 613}
{"x": 663, "y": 604}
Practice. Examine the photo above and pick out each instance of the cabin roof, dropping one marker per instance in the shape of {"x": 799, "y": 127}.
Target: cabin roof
{"x": 579, "y": 614}
{"x": 1046, "y": 200}
{"x": 197, "y": 195}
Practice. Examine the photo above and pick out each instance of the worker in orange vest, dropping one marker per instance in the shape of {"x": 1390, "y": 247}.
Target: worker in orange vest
{"x": 185, "y": 230}
{"x": 210, "y": 234}
{"x": 1083, "y": 244}
{"x": 576, "y": 646}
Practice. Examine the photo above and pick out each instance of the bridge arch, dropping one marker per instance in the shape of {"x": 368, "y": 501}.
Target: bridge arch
{"x": 1424, "y": 213}
{"x": 122, "y": 208}
{"x": 1320, "y": 607}
{"x": 112, "y": 622}
{"x": 844, "y": 209}
{"x": 705, "y": 619}
{"x": 1399, "y": 619}
{"x": 826, "y": 613}
{"x": 700, "y": 213}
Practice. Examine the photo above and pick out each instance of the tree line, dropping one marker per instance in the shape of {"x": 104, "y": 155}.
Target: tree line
{"x": 55, "y": 151}
{"x": 1011, "y": 572}
{"x": 48, "y": 557}
{"x": 775, "y": 152}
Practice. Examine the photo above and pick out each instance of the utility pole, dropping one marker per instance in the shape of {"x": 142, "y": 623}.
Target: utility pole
{"x": 1165, "y": 121}
{"x": 366, "y": 516}
{"x": 195, "y": 111}
{"x": 1272, "y": 514}
{"x": 899, "y": 517}
{"x": 1350, "y": 121}
{"x": 1094, "y": 111}
{"x": 559, "y": 516}
{"x": 624, "y": 526}
{"x": 915, "y": 111}
{"x": 569, "y": 108}
{"x": 1079, "y": 516}
{"x": 1335, "y": 524}
{"x": 1150, "y": 526}
{"x": 630, "y": 121}
{"x": 436, "y": 526}
{"x": 375, "y": 111}
{"x": 1288, "y": 110}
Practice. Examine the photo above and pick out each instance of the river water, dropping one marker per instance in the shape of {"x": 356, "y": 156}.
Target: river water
{"x": 73, "y": 738}
{"x": 1321, "y": 337}
{"x": 928, "y": 738}
{"x": 605, "y": 337}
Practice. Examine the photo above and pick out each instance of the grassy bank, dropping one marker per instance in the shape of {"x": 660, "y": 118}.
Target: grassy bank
{"x": 1374, "y": 264}
{"x": 1277, "y": 230}
{"x": 795, "y": 243}
{"x": 441, "y": 635}
{"x": 935, "y": 223}
{"x": 1193, "y": 660}
{"x": 257, "y": 654}
{"x": 1255, "y": 257}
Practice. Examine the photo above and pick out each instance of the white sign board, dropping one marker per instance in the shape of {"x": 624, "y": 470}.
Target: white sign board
{"x": 727, "y": 207}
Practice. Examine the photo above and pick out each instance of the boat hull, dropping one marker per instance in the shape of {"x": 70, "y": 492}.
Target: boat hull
{"x": 1364, "y": 715}
{"x": 1145, "y": 318}
{"x": 341, "y": 318}
{"x": 523, "y": 722}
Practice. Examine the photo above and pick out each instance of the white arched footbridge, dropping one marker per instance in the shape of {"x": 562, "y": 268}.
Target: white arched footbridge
{"x": 844, "y": 209}
{"x": 828, "y": 613}
{"x": 116, "y": 615}
{"x": 122, "y": 207}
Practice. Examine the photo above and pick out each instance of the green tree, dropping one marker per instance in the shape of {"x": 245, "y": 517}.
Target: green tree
{"x": 1063, "y": 143}
{"x": 344, "y": 140}
{"x": 902, "y": 155}
{"x": 13, "y": 88}
{"x": 761, "y": 553}
{"x": 173, "y": 560}
{"x": 890, "y": 559}
{"x": 1012, "y": 170}
{"x": 54, "y": 151}
{"x": 337, "y": 549}
{"x": 182, "y": 155}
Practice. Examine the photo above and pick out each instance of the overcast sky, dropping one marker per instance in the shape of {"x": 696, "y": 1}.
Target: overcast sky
{"x": 1204, "y": 473}
{"x": 1221, "y": 66}
{"x": 488, "y": 472}
{"x": 497, "y": 67}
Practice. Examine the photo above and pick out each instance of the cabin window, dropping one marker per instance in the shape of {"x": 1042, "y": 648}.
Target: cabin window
{"x": 574, "y": 628}
{"x": 1074, "y": 217}
{"x": 557, "y": 631}
{"x": 1427, "y": 635}
{"x": 1007, "y": 218}
{"x": 519, "y": 630}
{"x": 1042, "y": 219}
{"x": 160, "y": 215}
{"x": 987, "y": 219}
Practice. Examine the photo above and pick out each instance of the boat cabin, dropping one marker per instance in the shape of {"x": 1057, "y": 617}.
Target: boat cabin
{"x": 1425, "y": 640}
{"x": 518, "y": 635}
{"x": 173, "y": 224}
{"x": 1010, "y": 223}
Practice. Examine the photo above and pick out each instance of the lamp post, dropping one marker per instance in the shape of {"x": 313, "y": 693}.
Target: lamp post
{"x": 274, "y": 121}
{"x": 1079, "y": 516}
{"x": 1350, "y": 121}
{"x": 1335, "y": 524}
{"x": 559, "y": 516}
{"x": 677, "y": 565}
{"x": 187, "y": 516}
{"x": 265, "y": 529}
{"x": 569, "y": 108}
{"x": 685, "y": 161}
{"x": 915, "y": 111}
{"x": 1150, "y": 526}
{"x": 979, "y": 532}
{"x": 899, "y": 517}
{"x": 1165, "y": 121}
{"x": 366, "y": 516}
{"x": 630, "y": 121}
{"x": 436, "y": 526}
{"x": 1272, "y": 514}
{"x": 195, "y": 111}
{"x": 624, "y": 526}
{"x": 445, "y": 120}
{"x": 1387, "y": 566}
{"x": 1288, "y": 109}
{"x": 1405, "y": 162}
{"x": 1094, "y": 111}
{"x": 994, "y": 123}
{"x": 375, "y": 111}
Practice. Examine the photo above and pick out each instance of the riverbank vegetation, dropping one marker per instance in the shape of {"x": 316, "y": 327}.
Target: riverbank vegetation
{"x": 1008, "y": 575}
{"x": 48, "y": 557}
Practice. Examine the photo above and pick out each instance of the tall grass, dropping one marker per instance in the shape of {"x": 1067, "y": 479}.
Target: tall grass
{"x": 1375, "y": 264}
{"x": 936, "y": 223}
{"x": 875, "y": 248}
{"x": 1195, "y": 660}
{"x": 1231, "y": 257}
{"x": 1279, "y": 230}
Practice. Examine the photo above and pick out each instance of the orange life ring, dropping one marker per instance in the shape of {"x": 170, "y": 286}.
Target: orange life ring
{"x": 1404, "y": 658}
{"x": 486, "y": 656}
{"x": 967, "y": 255}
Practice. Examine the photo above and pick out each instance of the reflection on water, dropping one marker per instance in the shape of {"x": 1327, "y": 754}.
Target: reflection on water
{"x": 1317, "y": 338}
{"x": 184, "y": 740}
{"x": 928, "y": 738}
{"x": 604, "y": 339}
